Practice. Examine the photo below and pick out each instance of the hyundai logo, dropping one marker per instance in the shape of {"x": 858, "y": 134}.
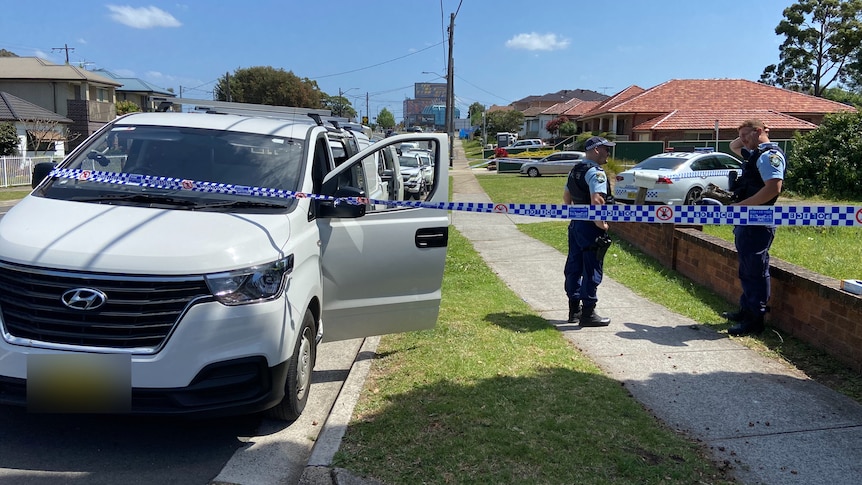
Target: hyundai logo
{"x": 84, "y": 299}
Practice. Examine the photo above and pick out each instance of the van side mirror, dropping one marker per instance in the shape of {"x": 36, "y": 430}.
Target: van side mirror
{"x": 40, "y": 171}
{"x": 329, "y": 208}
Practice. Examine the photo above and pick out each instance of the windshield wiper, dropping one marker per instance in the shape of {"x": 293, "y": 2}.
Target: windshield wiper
{"x": 138, "y": 198}
{"x": 240, "y": 204}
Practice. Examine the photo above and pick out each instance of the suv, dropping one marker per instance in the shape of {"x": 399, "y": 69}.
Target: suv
{"x": 528, "y": 143}
{"x": 196, "y": 272}
{"x": 417, "y": 172}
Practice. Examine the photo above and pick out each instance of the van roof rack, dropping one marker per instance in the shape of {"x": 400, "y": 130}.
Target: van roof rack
{"x": 249, "y": 109}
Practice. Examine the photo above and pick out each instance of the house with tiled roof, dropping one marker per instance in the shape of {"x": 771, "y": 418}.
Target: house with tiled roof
{"x": 40, "y": 132}
{"x": 84, "y": 97}
{"x": 571, "y": 109}
{"x": 697, "y": 109}
{"x": 136, "y": 90}
{"x": 534, "y": 108}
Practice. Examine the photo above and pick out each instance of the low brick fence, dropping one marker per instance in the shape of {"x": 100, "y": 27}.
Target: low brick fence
{"x": 807, "y": 305}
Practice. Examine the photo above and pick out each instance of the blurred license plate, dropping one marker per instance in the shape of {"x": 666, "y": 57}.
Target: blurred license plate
{"x": 79, "y": 383}
{"x": 631, "y": 195}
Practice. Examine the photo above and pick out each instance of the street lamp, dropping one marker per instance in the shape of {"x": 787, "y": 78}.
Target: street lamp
{"x": 450, "y": 108}
{"x": 340, "y": 102}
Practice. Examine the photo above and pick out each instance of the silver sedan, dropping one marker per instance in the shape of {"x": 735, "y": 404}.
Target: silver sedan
{"x": 559, "y": 163}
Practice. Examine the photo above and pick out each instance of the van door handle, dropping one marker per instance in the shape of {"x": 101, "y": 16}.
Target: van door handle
{"x": 432, "y": 237}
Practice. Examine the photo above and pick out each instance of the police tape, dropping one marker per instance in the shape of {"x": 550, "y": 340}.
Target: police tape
{"x": 778, "y": 215}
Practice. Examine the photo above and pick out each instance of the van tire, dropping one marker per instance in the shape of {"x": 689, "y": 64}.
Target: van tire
{"x": 299, "y": 369}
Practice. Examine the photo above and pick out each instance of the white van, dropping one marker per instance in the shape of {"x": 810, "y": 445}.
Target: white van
{"x": 196, "y": 271}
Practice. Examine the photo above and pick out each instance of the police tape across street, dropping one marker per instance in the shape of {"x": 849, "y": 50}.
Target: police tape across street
{"x": 778, "y": 215}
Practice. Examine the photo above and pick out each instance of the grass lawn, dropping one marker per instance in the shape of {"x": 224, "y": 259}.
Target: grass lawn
{"x": 823, "y": 250}
{"x": 14, "y": 193}
{"x": 495, "y": 394}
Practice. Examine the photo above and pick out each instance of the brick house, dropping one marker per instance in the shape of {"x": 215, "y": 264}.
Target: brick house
{"x": 694, "y": 109}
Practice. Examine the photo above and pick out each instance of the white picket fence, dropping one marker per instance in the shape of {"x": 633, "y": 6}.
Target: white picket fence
{"x": 15, "y": 171}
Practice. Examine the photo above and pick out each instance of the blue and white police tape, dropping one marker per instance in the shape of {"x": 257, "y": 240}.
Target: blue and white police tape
{"x": 778, "y": 215}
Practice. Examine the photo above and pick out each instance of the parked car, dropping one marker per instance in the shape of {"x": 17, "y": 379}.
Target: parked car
{"x": 682, "y": 176}
{"x": 559, "y": 163}
{"x": 528, "y": 143}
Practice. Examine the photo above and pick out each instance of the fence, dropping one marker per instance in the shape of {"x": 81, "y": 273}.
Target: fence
{"x": 16, "y": 171}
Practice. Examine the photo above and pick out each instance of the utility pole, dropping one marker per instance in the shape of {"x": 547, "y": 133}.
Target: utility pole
{"x": 227, "y": 84}
{"x": 450, "y": 92}
{"x": 64, "y": 48}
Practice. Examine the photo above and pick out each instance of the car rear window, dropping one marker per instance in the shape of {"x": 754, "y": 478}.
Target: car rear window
{"x": 659, "y": 163}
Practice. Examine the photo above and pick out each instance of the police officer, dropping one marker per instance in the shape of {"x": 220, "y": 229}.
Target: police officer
{"x": 760, "y": 183}
{"x": 587, "y": 184}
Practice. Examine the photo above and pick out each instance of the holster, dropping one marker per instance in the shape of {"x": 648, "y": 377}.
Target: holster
{"x": 601, "y": 246}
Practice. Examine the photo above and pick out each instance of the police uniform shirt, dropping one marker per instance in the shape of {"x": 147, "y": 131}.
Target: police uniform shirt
{"x": 595, "y": 178}
{"x": 771, "y": 162}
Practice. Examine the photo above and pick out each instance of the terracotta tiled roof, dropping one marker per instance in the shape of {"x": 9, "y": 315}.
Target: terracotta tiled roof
{"x": 573, "y": 107}
{"x": 616, "y": 99}
{"x": 581, "y": 108}
{"x": 723, "y": 95}
{"x": 728, "y": 119}
{"x": 534, "y": 111}
{"x": 495, "y": 107}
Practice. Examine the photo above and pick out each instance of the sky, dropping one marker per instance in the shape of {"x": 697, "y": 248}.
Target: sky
{"x": 374, "y": 51}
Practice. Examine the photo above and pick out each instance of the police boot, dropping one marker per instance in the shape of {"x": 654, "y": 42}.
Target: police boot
{"x": 752, "y": 324}
{"x": 589, "y": 318}
{"x": 574, "y": 311}
{"x": 737, "y": 316}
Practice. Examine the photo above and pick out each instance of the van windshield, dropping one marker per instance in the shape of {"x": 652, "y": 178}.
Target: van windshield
{"x": 192, "y": 155}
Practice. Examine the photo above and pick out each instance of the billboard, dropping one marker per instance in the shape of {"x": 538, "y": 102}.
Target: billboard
{"x": 435, "y": 91}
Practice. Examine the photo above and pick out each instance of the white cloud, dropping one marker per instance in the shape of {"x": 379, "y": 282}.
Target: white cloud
{"x": 537, "y": 42}
{"x": 82, "y": 41}
{"x": 142, "y": 17}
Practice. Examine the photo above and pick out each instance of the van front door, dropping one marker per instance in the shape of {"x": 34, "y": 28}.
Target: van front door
{"x": 382, "y": 273}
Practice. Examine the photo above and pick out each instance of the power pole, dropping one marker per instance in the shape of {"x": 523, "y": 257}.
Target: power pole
{"x": 450, "y": 92}
{"x": 64, "y": 48}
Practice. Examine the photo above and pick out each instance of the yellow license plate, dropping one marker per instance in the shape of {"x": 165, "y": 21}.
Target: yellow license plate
{"x": 631, "y": 195}
{"x": 79, "y": 383}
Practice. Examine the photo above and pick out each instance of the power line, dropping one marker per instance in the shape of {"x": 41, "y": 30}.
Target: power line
{"x": 375, "y": 65}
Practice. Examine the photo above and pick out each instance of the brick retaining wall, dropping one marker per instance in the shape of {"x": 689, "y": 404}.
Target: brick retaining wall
{"x": 807, "y": 305}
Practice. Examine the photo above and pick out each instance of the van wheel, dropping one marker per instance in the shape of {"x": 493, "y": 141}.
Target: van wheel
{"x": 298, "y": 381}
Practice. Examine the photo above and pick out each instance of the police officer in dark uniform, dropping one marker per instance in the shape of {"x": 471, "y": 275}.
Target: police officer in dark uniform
{"x": 760, "y": 183}
{"x": 587, "y": 184}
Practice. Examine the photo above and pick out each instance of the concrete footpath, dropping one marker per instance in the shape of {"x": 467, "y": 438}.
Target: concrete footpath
{"x": 768, "y": 423}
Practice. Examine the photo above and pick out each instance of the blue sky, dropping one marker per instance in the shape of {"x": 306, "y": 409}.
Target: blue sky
{"x": 504, "y": 50}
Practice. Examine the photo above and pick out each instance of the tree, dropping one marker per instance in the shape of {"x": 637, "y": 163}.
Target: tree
{"x": 43, "y": 134}
{"x": 554, "y": 125}
{"x": 385, "y": 119}
{"x": 8, "y": 139}
{"x": 843, "y": 96}
{"x": 828, "y": 160}
{"x": 504, "y": 121}
{"x": 474, "y": 113}
{"x": 127, "y": 106}
{"x": 821, "y": 38}
{"x": 270, "y": 86}
{"x": 339, "y": 105}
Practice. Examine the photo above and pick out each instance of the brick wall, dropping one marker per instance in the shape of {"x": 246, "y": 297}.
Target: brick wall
{"x": 807, "y": 305}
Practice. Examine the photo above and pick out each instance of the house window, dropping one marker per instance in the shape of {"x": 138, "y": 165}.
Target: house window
{"x": 102, "y": 94}
{"x": 699, "y": 135}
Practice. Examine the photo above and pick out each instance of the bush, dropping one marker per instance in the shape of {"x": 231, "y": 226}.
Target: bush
{"x": 828, "y": 161}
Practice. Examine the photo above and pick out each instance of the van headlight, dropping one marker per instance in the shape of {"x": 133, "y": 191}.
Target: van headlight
{"x": 249, "y": 285}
